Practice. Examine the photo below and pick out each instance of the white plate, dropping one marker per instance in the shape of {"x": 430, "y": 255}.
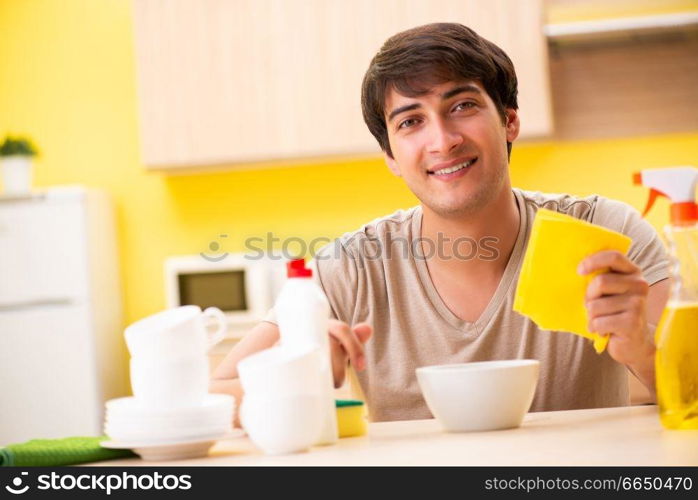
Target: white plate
{"x": 203, "y": 421}
{"x": 163, "y": 436}
{"x": 172, "y": 450}
{"x": 130, "y": 406}
{"x": 219, "y": 415}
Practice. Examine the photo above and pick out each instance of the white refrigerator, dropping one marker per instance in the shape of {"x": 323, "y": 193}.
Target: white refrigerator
{"x": 61, "y": 328}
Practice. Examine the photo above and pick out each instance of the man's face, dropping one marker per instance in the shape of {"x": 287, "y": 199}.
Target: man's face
{"x": 450, "y": 146}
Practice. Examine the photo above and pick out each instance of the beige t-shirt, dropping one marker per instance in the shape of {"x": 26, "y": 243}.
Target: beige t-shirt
{"x": 368, "y": 277}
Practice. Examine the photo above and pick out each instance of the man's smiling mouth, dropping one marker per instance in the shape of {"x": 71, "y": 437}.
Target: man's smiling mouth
{"x": 454, "y": 168}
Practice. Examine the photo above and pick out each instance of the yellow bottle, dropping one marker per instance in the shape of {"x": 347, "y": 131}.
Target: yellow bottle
{"x": 676, "y": 337}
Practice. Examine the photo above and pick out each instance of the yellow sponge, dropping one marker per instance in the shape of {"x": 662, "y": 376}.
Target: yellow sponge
{"x": 351, "y": 418}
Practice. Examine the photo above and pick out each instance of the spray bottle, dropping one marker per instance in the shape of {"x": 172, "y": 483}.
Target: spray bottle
{"x": 676, "y": 337}
{"x": 303, "y": 313}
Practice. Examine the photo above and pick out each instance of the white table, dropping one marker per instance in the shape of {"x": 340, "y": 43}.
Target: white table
{"x": 612, "y": 436}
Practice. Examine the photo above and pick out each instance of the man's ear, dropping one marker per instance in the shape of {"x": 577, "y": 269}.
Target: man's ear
{"x": 512, "y": 125}
{"x": 392, "y": 164}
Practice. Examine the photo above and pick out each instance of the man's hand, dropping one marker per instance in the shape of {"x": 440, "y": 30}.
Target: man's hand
{"x": 616, "y": 302}
{"x": 347, "y": 344}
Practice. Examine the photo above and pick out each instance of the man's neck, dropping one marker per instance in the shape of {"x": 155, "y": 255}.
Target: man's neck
{"x": 486, "y": 238}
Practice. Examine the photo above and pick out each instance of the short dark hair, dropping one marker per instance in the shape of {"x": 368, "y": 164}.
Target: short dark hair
{"x": 416, "y": 59}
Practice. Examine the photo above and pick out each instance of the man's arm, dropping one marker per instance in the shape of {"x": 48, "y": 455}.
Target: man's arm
{"x": 262, "y": 336}
{"x": 620, "y": 302}
{"x": 224, "y": 378}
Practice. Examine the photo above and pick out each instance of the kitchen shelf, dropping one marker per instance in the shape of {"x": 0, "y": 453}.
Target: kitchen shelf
{"x": 620, "y": 26}
{"x": 18, "y": 197}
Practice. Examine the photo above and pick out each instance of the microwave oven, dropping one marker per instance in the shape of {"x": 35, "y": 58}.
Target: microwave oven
{"x": 243, "y": 288}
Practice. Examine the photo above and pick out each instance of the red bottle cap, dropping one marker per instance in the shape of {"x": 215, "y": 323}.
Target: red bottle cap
{"x": 296, "y": 269}
{"x": 684, "y": 214}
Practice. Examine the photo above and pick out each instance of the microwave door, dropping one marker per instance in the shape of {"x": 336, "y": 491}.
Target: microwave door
{"x": 225, "y": 290}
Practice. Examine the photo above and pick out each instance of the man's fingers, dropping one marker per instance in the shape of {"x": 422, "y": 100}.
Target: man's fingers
{"x": 612, "y": 260}
{"x": 617, "y": 324}
{"x": 343, "y": 334}
{"x": 363, "y": 331}
{"x": 608, "y": 305}
{"x": 339, "y": 362}
{"x": 614, "y": 284}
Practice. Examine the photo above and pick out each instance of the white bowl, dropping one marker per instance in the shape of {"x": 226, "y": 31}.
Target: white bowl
{"x": 481, "y": 396}
{"x": 281, "y": 370}
{"x": 283, "y": 424}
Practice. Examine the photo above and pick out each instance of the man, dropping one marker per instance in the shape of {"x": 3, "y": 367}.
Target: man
{"x": 441, "y": 101}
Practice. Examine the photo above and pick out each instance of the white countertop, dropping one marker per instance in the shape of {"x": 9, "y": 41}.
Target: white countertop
{"x": 610, "y": 436}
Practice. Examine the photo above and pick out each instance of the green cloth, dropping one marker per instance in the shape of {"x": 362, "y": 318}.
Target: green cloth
{"x": 65, "y": 451}
{"x": 341, "y": 403}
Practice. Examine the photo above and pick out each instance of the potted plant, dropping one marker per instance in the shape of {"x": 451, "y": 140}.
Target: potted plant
{"x": 16, "y": 154}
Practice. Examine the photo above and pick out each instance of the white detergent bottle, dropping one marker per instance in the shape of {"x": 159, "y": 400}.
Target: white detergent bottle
{"x": 303, "y": 313}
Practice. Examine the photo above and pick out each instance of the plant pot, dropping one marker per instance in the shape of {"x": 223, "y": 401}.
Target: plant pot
{"x": 16, "y": 174}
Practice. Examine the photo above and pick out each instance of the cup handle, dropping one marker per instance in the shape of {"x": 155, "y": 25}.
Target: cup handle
{"x": 219, "y": 334}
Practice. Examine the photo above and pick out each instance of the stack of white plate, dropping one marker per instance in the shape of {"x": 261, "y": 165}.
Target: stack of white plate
{"x": 127, "y": 420}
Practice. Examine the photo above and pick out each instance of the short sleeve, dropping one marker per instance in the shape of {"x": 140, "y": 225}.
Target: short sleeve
{"x": 335, "y": 271}
{"x": 647, "y": 250}
{"x": 337, "y": 275}
{"x": 270, "y": 317}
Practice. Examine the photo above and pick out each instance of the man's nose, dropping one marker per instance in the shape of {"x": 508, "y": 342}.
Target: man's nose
{"x": 444, "y": 138}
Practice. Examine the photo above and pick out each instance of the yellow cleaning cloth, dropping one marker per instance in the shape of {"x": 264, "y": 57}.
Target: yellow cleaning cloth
{"x": 550, "y": 291}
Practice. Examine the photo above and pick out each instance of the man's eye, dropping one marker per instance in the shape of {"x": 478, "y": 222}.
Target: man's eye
{"x": 407, "y": 123}
{"x": 464, "y": 105}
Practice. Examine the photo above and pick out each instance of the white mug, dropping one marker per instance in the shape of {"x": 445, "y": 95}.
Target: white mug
{"x": 175, "y": 333}
{"x": 169, "y": 383}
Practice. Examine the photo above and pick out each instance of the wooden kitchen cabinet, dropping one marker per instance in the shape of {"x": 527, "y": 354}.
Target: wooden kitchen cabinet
{"x": 224, "y": 82}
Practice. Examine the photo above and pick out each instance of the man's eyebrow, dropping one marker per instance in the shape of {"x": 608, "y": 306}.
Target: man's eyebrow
{"x": 459, "y": 90}
{"x": 445, "y": 96}
{"x": 402, "y": 109}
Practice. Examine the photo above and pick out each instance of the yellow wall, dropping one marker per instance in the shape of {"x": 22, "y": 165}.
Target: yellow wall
{"x": 67, "y": 80}
{"x": 604, "y": 167}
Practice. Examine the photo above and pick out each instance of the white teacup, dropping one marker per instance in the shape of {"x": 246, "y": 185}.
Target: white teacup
{"x": 282, "y": 424}
{"x": 175, "y": 333}
{"x": 282, "y": 371}
{"x": 169, "y": 383}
